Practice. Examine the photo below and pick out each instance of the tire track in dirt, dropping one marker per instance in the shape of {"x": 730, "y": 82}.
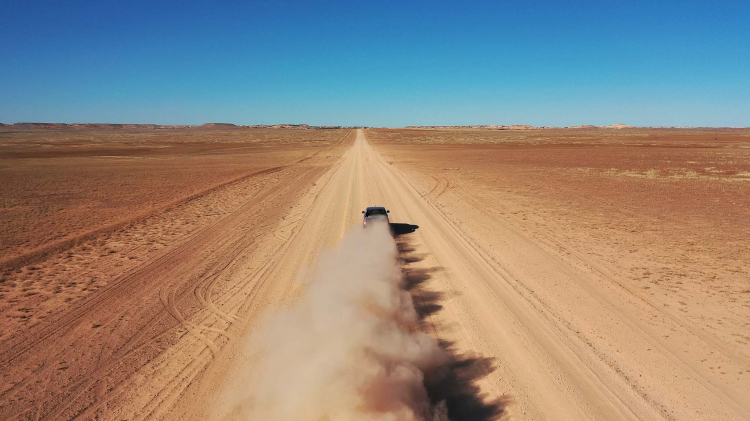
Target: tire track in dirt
{"x": 167, "y": 297}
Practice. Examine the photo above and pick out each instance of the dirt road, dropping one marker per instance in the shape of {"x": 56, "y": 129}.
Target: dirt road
{"x": 537, "y": 331}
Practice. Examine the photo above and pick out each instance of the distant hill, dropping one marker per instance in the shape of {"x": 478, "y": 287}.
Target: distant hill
{"x": 110, "y": 126}
{"x": 39, "y": 125}
{"x": 228, "y": 126}
{"x": 488, "y": 127}
{"x": 521, "y": 127}
{"x": 291, "y": 126}
{"x": 84, "y": 126}
{"x": 218, "y": 126}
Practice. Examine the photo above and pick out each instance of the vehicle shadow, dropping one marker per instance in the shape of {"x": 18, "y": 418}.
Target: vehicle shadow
{"x": 400, "y": 229}
{"x": 455, "y": 381}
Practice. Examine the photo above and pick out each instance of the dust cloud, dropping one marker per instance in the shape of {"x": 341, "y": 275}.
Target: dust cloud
{"x": 349, "y": 349}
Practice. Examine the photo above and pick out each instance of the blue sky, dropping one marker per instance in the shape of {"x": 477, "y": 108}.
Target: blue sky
{"x": 377, "y": 63}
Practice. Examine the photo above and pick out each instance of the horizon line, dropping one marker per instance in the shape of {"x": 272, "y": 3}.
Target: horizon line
{"x": 436, "y": 126}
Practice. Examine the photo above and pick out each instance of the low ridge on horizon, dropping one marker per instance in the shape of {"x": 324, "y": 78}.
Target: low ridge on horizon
{"x": 49, "y": 125}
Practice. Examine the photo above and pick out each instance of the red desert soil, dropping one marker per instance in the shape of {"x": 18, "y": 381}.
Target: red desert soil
{"x": 59, "y": 185}
{"x": 644, "y": 237}
{"x": 571, "y": 273}
{"x": 112, "y": 240}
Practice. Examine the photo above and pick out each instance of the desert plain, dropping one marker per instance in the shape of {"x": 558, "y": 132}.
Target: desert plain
{"x": 572, "y": 273}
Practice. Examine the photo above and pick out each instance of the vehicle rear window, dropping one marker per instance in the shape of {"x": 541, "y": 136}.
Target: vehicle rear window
{"x": 375, "y": 212}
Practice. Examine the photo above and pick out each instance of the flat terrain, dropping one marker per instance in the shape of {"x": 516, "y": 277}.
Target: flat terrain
{"x": 60, "y": 184}
{"x": 612, "y": 279}
{"x": 116, "y": 241}
{"x": 571, "y": 274}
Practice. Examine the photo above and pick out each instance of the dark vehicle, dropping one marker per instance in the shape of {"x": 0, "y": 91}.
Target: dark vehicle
{"x": 375, "y": 214}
